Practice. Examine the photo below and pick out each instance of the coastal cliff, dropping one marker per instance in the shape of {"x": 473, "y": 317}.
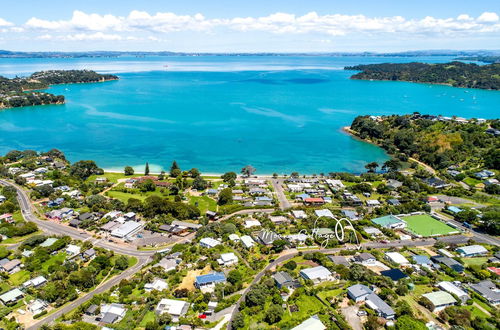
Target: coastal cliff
{"x": 21, "y": 92}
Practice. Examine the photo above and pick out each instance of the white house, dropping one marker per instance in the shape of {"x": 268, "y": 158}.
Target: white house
{"x": 453, "y": 289}
{"x": 472, "y": 251}
{"x": 252, "y": 223}
{"x": 73, "y": 250}
{"x": 324, "y": 213}
{"x": 397, "y": 258}
{"x": 157, "y": 284}
{"x": 227, "y": 259}
{"x": 247, "y": 241}
{"x": 37, "y": 306}
{"x": 299, "y": 214}
{"x": 176, "y": 308}
{"x": 209, "y": 242}
{"x": 35, "y": 282}
{"x": 440, "y": 300}
{"x": 317, "y": 274}
{"x": 111, "y": 313}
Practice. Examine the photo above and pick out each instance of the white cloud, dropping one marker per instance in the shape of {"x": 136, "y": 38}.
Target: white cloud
{"x": 488, "y": 17}
{"x": 83, "y": 26}
{"x": 5, "y": 23}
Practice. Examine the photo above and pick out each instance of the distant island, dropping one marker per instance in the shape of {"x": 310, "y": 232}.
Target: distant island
{"x": 21, "y": 92}
{"x": 485, "y": 59}
{"x": 456, "y": 74}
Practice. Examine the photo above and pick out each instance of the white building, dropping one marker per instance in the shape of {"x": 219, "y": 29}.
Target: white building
{"x": 209, "y": 242}
{"x": 299, "y": 214}
{"x": 73, "y": 250}
{"x": 251, "y": 223}
{"x": 37, "y": 306}
{"x": 397, "y": 258}
{"x": 176, "y": 308}
{"x": 157, "y": 284}
{"x": 127, "y": 229}
{"x": 247, "y": 241}
{"x": 472, "y": 251}
{"x": 454, "y": 290}
{"x": 317, "y": 274}
{"x": 35, "y": 282}
{"x": 324, "y": 213}
{"x": 227, "y": 259}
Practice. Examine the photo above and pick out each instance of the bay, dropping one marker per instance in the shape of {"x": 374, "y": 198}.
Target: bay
{"x": 219, "y": 113}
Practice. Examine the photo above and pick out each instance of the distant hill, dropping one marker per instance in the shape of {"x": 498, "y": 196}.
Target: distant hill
{"x": 457, "y": 74}
{"x": 20, "y": 92}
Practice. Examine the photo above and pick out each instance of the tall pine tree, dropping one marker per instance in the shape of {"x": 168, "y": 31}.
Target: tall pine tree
{"x": 146, "y": 170}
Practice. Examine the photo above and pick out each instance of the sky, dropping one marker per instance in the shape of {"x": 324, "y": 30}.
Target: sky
{"x": 249, "y": 26}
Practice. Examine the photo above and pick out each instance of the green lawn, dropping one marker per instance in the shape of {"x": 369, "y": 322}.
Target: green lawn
{"x": 205, "y": 203}
{"x": 17, "y": 239}
{"x": 149, "y": 317}
{"x": 475, "y": 261}
{"x": 19, "y": 278}
{"x": 308, "y": 306}
{"x": 53, "y": 260}
{"x": 425, "y": 225}
{"x": 124, "y": 197}
{"x": 112, "y": 177}
{"x": 471, "y": 181}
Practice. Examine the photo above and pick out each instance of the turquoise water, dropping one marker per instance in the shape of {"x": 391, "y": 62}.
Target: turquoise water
{"x": 280, "y": 114}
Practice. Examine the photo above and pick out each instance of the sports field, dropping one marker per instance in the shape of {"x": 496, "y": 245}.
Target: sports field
{"x": 425, "y": 225}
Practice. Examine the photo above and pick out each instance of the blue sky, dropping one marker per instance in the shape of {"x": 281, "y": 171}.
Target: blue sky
{"x": 249, "y": 26}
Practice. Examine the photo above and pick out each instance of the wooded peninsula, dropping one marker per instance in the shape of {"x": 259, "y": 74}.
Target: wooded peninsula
{"x": 456, "y": 74}
{"x": 23, "y": 91}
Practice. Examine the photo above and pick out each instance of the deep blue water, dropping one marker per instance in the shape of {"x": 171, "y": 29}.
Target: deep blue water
{"x": 280, "y": 114}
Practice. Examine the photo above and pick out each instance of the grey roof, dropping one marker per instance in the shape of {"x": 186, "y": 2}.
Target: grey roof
{"x": 339, "y": 260}
{"x": 381, "y": 306}
{"x": 282, "y": 277}
{"x": 358, "y": 290}
{"x": 267, "y": 237}
{"x": 450, "y": 262}
{"x": 488, "y": 290}
{"x": 364, "y": 256}
{"x": 109, "y": 318}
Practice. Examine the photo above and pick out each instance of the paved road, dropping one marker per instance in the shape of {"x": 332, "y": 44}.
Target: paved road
{"x": 246, "y": 212}
{"x": 289, "y": 254}
{"x": 280, "y": 193}
{"x": 86, "y": 297}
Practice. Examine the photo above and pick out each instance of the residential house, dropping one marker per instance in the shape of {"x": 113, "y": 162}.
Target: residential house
{"x": 11, "y": 296}
{"x": 381, "y": 307}
{"x": 339, "y": 260}
{"x": 350, "y": 214}
{"x": 394, "y": 274}
{"x": 312, "y": 323}
{"x": 317, "y": 274}
{"x": 12, "y": 266}
{"x": 207, "y": 282}
{"x": 397, "y": 258}
{"x": 435, "y": 183}
{"x": 157, "y": 284}
{"x": 454, "y": 290}
{"x": 175, "y": 308}
{"x": 372, "y": 231}
{"x": 111, "y": 313}
{"x": 372, "y": 203}
{"x": 247, "y": 241}
{"x": 168, "y": 263}
{"x": 267, "y": 237}
{"x": 285, "y": 280}
{"x": 394, "y": 184}
{"x": 227, "y": 259}
{"x": 393, "y": 202}
{"x": 472, "y": 251}
{"x": 73, "y": 250}
{"x": 209, "y": 242}
{"x": 35, "y": 282}
{"x": 488, "y": 290}
{"x": 279, "y": 220}
{"x": 89, "y": 254}
{"x": 37, "y": 306}
{"x": 440, "y": 300}
{"x": 365, "y": 258}
{"x": 251, "y": 223}
{"x": 299, "y": 214}
{"x": 48, "y": 242}
{"x": 358, "y": 292}
{"x": 7, "y": 217}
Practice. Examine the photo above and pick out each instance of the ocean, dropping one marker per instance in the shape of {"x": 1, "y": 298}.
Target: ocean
{"x": 219, "y": 113}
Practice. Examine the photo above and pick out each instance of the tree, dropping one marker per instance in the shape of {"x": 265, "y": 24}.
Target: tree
{"x": 164, "y": 319}
{"x": 146, "y": 170}
{"x": 279, "y": 245}
{"x": 199, "y": 183}
{"x": 234, "y": 276}
{"x": 274, "y": 314}
{"x": 194, "y": 173}
{"x": 392, "y": 165}
{"x": 128, "y": 170}
{"x": 225, "y": 197}
{"x": 238, "y": 322}
{"x": 175, "y": 170}
{"x": 228, "y": 176}
{"x": 491, "y": 222}
{"x": 147, "y": 185}
{"x": 291, "y": 265}
{"x": 256, "y": 296}
{"x": 85, "y": 168}
{"x": 248, "y": 170}
{"x": 371, "y": 167}
{"x": 121, "y": 263}
{"x": 406, "y": 322}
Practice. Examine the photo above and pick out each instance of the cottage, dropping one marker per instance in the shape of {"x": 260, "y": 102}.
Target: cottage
{"x": 339, "y": 260}
{"x": 422, "y": 260}
{"x": 372, "y": 203}
{"x": 299, "y": 214}
{"x": 435, "y": 183}
{"x": 227, "y": 259}
{"x": 7, "y": 217}
{"x": 394, "y": 184}
{"x": 454, "y": 290}
{"x": 381, "y": 307}
{"x": 37, "y": 306}
{"x": 157, "y": 284}
{"x": 247, "y": 241}
{"x": 394, "y": 202}
{"x": 111, "y": 313}
{"x": 267, "y": 237}
{"x": 207, "y": 282}
{"x": 324, "y": 213}
{"x": 397, "y": 258}
{"x": 209, "y": 242}
{"x": 11, "y": 296}
{"x": 358, "y": 292}
{"x": 176, "y": 308}
{"x": 314, "y": 201}
{"x": 350, "y": 214}
{"x": 12, "y": 266}
{"x": 440, "y": 300}
{"x": 472, "y": 251}
{"x": 168, "y": 263}
{"x": 284, "y": 280}
{"x": 372, "y": 231}
{"x": 279, "y": 220}
{"x": 89, "y": 254}
{"x": 488, "y": 290}
{"x": 48, "y": 242}
{"x": 251, "y": 223}
{"x": 312, "y": 323}
{"x": 317, "y": 274}
{"x": 35, "y": 282}
{"x": 73, "y": 250}
{"x": 365, "y": 258}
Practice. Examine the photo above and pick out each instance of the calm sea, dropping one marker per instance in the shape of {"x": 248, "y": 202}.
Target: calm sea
{"x": 219, "y": 113}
